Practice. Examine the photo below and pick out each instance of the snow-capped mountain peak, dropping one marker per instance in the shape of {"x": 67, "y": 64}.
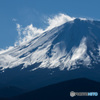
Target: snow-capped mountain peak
{"x": 65, "y": 47}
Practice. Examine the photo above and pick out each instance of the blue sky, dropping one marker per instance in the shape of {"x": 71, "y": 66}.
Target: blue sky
{"x": 34, "y": 12}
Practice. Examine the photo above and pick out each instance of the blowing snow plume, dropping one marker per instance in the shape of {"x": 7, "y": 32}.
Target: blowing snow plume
{"x": 29, "y": 32}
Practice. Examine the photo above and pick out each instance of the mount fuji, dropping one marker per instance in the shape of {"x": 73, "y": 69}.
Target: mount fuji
{"x": 68, "y": 51}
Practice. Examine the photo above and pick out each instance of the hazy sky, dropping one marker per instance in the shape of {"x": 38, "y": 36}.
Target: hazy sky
{"x": 35, "y": 12}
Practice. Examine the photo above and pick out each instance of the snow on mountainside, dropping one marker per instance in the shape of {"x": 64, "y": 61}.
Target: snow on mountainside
{"x": 70, "y": 45}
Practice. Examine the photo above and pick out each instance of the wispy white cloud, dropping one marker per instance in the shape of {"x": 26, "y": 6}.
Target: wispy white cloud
{"x": 27, "y": 33}
{"x": 30, "y": 32}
